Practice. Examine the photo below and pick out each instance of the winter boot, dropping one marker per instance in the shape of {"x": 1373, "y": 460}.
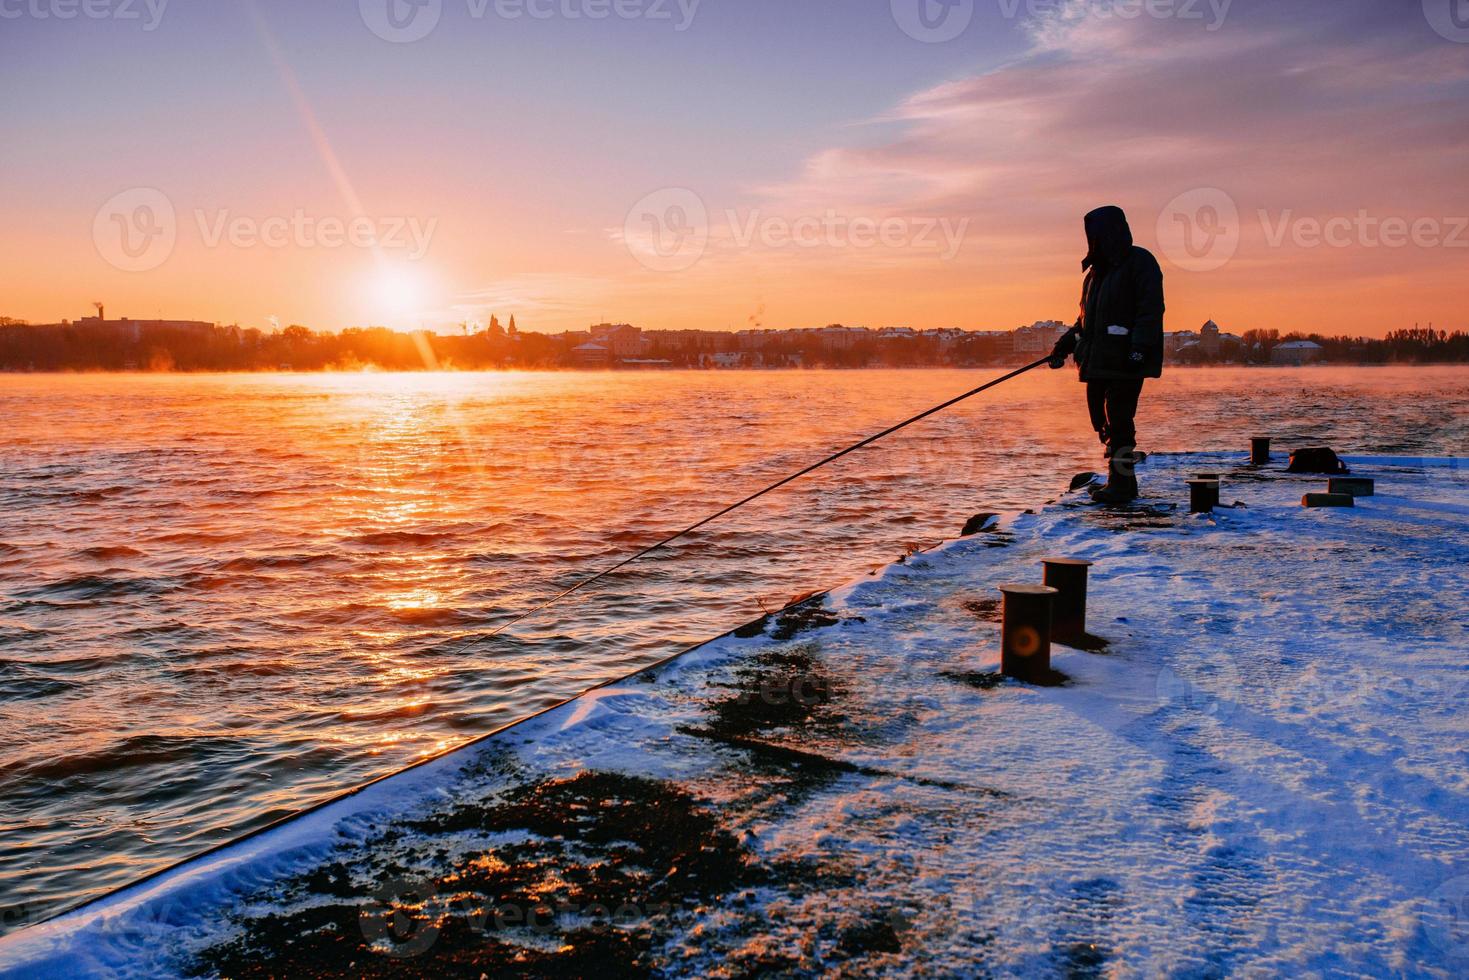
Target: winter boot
{"x": 1121, "y": 486}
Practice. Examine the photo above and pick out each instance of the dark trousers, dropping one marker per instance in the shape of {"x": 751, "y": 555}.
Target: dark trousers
{"x": 1113, "y": 405}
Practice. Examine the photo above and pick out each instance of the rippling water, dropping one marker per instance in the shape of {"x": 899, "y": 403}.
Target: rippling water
{"x": 225, "y": 597}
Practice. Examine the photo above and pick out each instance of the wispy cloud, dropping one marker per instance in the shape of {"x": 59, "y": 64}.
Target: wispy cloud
{"x": 535, "y": 299}
{"x": 1317, "y": 110}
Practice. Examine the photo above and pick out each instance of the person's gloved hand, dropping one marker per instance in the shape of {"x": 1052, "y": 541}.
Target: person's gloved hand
{"x": 1064, "y": 346}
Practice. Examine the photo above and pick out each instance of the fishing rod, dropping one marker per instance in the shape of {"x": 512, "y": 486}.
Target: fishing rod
{"x": 757, "y": 495}
{"x": 323, "y": 805}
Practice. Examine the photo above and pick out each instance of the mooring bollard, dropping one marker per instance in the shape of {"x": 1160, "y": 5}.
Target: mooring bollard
{"x": 1260, "y": 450}
{"x": 1356, "y": 486}
{"x": 1328, "y": 500}
{"x": 1203, "y": 496}
{"x": 1214, "y": 477}
{"x": 1068, "y": 612}
{"x": 1025, "y": 632}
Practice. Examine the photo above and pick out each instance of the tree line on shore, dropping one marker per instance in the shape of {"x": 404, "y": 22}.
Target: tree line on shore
{"x": 92, "y": 347}
{"x": 1416, "y": 345}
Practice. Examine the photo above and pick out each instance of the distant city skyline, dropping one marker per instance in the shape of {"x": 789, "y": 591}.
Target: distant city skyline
{"x": 94, "y": 343}
{"x": 716, "y": 165}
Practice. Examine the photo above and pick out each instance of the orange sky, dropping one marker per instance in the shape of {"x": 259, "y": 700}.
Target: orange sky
{"x": 1301, "y": 170}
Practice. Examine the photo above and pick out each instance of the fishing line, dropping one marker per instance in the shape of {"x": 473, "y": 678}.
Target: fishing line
{"x": 757, "y": 495}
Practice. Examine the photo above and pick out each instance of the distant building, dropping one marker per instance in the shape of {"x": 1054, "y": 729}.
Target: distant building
{"x": 1179, "y": 339}
{"x": 1209, "y": 338}
{"x": 620, "y": 339}
{"x": 947, "y": 338}
{"x": 1296, "y": 352}
{"x": 1039, "y": 337}
{"x": 690, "y": 340}
{"x": 591, "y": 355}
{"x": 754, "y": 339}
{"x": 838, "y": 337}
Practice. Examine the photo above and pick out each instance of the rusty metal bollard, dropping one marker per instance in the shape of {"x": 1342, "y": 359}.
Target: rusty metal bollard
{"x": 1214, "y": 478}
{"x": 1356, "y": 486}
{"x": 1328, "y": 500}
{"x": 1203, "y": 496}
{"x": 1025, "y": 633}
{"x": 1068, "y": 613}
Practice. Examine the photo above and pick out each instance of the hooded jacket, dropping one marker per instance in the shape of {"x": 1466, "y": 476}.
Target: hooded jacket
{"x": 1121, "y": 305}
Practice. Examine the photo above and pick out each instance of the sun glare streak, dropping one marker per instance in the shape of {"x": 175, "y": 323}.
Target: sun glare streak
{"x": 396, "y": 291}
{"x": 308, "y": 115}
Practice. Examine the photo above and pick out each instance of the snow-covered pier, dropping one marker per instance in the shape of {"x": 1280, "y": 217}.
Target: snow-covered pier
{"x": 1265, "y": 770}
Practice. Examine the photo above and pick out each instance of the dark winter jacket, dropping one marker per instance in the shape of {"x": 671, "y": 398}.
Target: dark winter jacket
{"x": 1121, "y": 305}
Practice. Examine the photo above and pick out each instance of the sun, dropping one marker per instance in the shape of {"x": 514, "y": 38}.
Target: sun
{"x": 398, "y": 290}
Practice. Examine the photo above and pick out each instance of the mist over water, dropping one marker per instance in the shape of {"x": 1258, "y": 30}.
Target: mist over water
{"x": 226, "y": 597}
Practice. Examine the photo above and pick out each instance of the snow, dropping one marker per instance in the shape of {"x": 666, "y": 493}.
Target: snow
{"x": 1266, "y": 771}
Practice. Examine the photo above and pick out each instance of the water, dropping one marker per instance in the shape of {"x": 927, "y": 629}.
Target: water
{"x": 225, "y": 597}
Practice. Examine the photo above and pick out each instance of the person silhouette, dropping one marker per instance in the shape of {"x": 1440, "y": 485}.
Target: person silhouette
{"x": 1117, "y": 342}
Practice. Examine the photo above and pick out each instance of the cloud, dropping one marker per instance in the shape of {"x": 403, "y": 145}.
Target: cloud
{"x": 1322, "y": 110}
{"x": 535, "y": 299}
{"x": 1306, "y": 110}
{"x": 1332, "y": 109}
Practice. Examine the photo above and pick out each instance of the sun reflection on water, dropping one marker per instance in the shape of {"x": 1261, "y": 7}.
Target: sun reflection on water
{"x": 417, "y": 599}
